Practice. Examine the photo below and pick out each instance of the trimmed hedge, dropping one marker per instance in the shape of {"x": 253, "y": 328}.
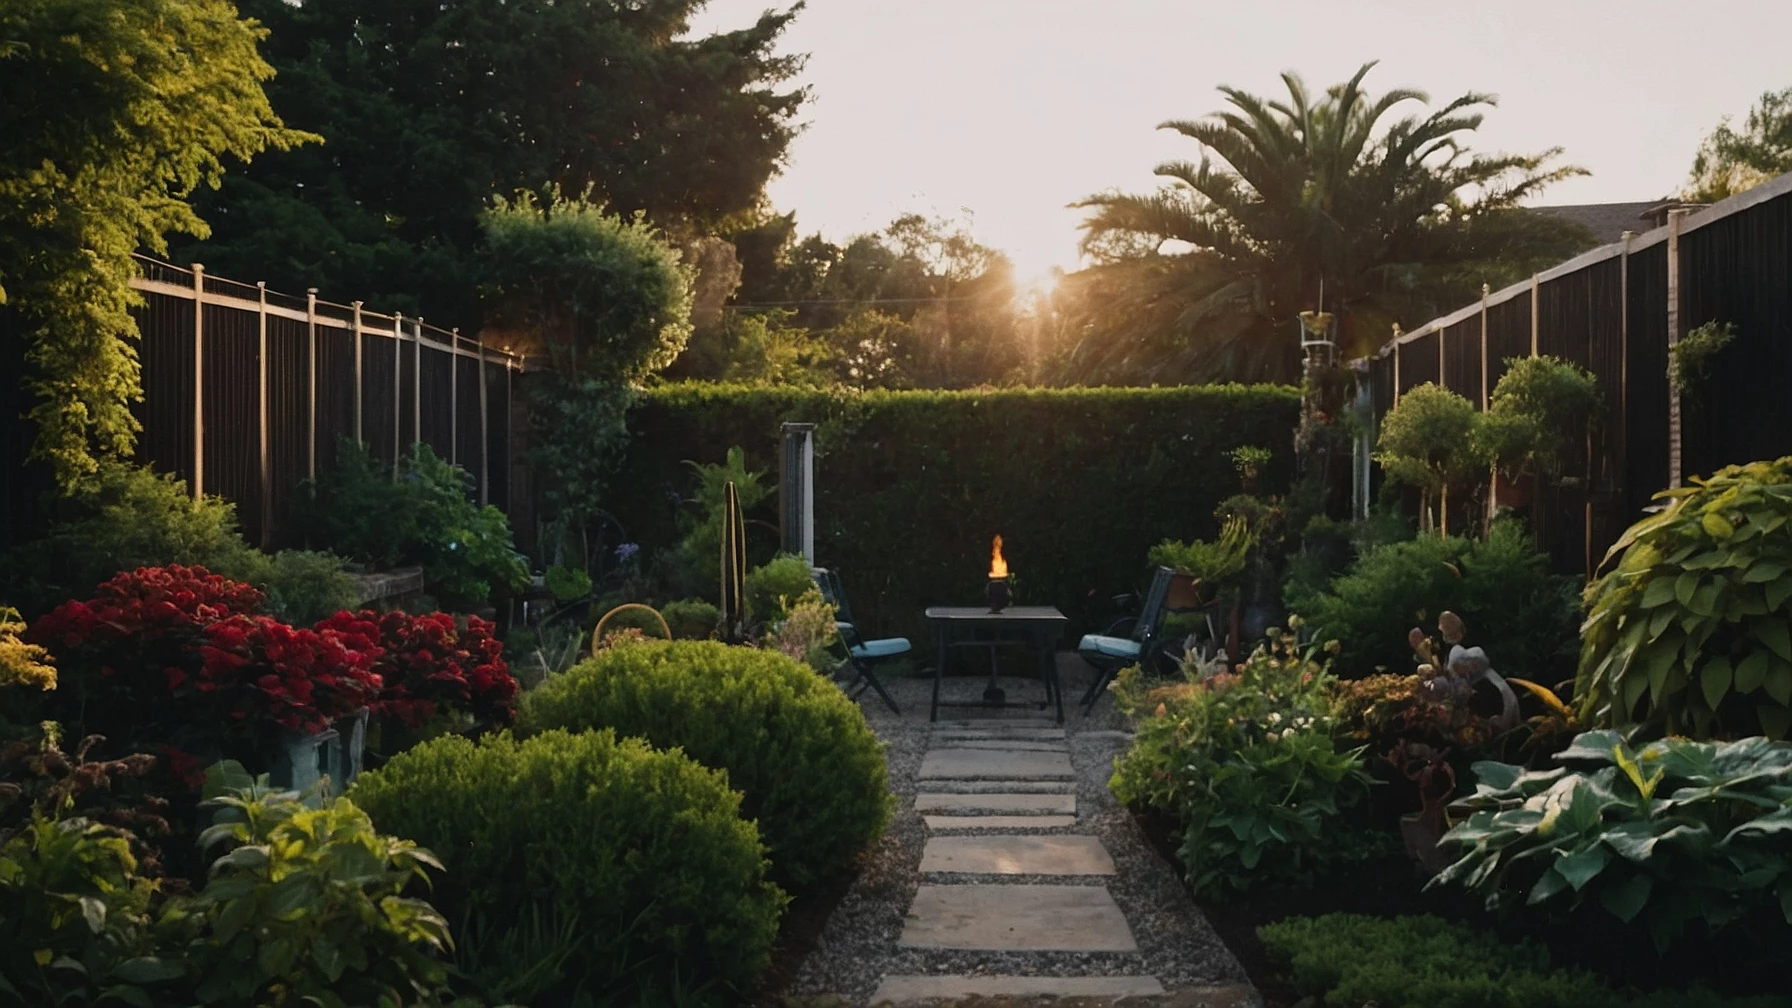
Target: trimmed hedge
{"x": 911, "y": 485}
{"x": 647, "y": 848}
{"x": 809, "y": 768}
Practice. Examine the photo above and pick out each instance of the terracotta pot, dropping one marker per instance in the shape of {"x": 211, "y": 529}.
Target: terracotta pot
{"x": 1185, "y": 593}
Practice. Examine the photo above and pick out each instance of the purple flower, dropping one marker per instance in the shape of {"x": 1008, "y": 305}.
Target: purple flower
{"x": 626, "y": 552}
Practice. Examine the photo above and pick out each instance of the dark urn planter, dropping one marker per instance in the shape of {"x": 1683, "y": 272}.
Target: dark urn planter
{"x": 997, "y": 594}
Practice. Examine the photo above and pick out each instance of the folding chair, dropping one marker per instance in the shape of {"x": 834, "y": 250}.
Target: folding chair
{"x": 1109, "y": 654}
{"x": 863, "y": 655}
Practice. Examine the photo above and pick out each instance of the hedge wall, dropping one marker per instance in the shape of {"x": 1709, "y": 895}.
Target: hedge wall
{"x": 911, "y": 485}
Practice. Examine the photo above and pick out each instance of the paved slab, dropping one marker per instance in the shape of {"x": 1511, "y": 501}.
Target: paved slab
{"x": 1017, "y": 855}
{"x": 907, "y": 990}
{"x": 951, "y": 823}
{"x": 1021, "y": 918}
{"x": 1053, "y": 804}
{"x": 992, "y": 764}
{"x": 1007, "y": 745}
{"x": 974, "y": 786}
{"x": 1036, "y": 734}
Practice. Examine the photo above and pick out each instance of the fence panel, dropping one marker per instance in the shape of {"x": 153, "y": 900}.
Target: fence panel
{"x": 378, "y": 376}
{"x": 289, "y": 415}
{"x": 1462, "y": 358}
{"x": 232, "y": 349}
{"x": 1646, "y": 378}
{"x": 1418, "y": 362}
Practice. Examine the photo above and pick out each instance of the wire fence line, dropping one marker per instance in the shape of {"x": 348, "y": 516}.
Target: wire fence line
{"x": 247, "y": 392}
{"x": 1616, "y": 311}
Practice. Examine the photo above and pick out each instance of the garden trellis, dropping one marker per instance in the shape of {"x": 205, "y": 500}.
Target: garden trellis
{"x": 1615, "y": 311}
{"x": 280, "y": 379}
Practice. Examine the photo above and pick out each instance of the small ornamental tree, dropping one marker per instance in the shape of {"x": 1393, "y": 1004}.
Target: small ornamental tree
{"x": 1427, "y": 441}
{"x": 1539, "y": 405}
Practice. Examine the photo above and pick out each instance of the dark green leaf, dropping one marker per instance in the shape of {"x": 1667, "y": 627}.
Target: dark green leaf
{"x": 1626, "y": 899}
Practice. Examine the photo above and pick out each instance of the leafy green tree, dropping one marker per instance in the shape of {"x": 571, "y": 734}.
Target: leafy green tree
{"x": 1730, "y": 161}
{"x": 1428, "y": 441}
{"x": 606, "y": 302}
{"x": 1313, "y": 202}
{"x": 115, "y": 111}
{"x": 431, "y": 108}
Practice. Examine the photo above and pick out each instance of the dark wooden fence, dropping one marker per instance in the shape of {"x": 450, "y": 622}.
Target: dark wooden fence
{"x": 1615, "y": 311}
{"x": 248, "y": 392}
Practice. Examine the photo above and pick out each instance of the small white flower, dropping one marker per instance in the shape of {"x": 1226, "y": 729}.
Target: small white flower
{"x": 1275, "y": 717}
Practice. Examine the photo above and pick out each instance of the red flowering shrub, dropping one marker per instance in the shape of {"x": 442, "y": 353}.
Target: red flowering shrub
{"x": 172, "y": 656}
{"x": 431, "y": 665}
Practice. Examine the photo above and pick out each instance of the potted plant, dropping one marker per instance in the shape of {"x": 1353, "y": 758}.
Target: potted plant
{"x": 1202, "y": 568}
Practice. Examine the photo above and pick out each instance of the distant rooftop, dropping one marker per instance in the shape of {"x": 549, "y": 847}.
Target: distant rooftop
{"x": 1609, "y": 221}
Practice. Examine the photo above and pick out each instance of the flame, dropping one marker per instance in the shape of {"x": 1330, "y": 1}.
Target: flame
{"x": 998, "y": 567}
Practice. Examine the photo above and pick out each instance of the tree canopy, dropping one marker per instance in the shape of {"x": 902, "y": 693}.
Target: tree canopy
{"x": 1328, "y": 202}
{"x": 430, "y": 108}
{"x": 115, "y": 112}
{"x": 1730, "y": 161}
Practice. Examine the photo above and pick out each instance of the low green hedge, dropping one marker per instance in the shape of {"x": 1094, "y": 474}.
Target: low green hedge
{"x": 1350, "y": 960}
{"x": 809, "y": 768}
{"x": 910, "y": 485}
{"x": 647, "y": 848}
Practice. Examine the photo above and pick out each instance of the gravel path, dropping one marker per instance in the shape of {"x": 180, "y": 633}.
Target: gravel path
{"x": 859, "y": 945}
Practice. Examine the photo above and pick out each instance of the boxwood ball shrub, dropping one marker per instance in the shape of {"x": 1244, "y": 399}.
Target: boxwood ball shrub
{"x": 807, "y": 765}
{"x": 647, "y": 848}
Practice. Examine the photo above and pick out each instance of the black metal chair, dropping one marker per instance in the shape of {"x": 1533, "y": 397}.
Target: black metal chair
{"x": 1108, "y": 653}
{"x": 863, "y": 655}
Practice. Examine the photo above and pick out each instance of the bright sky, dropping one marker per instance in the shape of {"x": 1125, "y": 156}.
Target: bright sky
{"x": 1003, "y": 111}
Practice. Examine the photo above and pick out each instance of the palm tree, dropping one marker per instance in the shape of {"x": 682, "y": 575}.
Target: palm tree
{"x": 1393, "y": 220}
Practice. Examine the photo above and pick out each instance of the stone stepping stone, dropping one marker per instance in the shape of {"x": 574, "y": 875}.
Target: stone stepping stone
{"x": 1009, "y": 745}
{"x": 1017, "y": 918}
{"x": 1047, "y": 804}
{"x": 992, "y": 764}
{"x": 1034, "y": 734}
{"x": 911, "y": 990}
{"x": 1014, "y": 722}
{"x": 1016, "y": 855}
{"x": 951, "y": 823}
{"x": 1000, "y": 786}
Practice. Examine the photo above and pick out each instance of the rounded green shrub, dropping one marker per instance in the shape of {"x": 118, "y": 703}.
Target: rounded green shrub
{"x": 692, "y": 619}
{"x": 647, "y": 848}
{"x": 774, "y": 588}
{"x": 808, "y": 767}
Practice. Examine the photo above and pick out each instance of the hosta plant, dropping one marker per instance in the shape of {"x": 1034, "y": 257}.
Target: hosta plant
{"x": 1675, "y": 832}
{"x": 1691, "y": 632}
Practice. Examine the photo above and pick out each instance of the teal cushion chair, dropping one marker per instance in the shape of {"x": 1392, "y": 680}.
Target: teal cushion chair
{"x": 1108, "y": 653}
{"x": 863, "y": 655}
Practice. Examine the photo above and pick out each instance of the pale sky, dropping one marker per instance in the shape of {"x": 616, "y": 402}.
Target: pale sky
{"x": 1003, "y": 111}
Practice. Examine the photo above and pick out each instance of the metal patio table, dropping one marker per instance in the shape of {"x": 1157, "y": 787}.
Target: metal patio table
{"x": 975, "y": 626}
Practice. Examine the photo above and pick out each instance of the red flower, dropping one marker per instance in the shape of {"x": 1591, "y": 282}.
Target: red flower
{"x": 430, "y": 665}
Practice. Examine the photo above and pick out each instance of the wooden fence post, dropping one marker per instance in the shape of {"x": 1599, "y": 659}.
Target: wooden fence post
{"x": 1485, "y": 291}
{"x": 1675, "y": 217}
{"x": 311, "y": 382}
{"x": 1396, "y": 399}
{"x": 261, "y": 409}
{"x": 417, "y": 382}
{"x": 357, "y": 331}
{"x": 397, "y": 390}
{"x": 454, "y": 395}
{"x": 198, "y": 380}
{"x": 485, "y": 485}
{"x": 1536, "y": 286}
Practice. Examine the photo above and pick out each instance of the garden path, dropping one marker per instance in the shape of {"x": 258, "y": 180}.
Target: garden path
{"x": 1011, "y": 873}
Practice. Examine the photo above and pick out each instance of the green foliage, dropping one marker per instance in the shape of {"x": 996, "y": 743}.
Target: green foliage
{"x": 74, "y": 915}
{"x": 1334, "y": 186}
{"x": 1517, "y": 610}
{"x": 123, "y": 518}
{"x": 1211, "y": 563}
{"x": 1427, "y": 439}
{"x": 809, "y": 769}
{"x": 1675, "y": 832}
{"x": 1029, "y": 464}
{"x": 699, "y": 550}
{"x": 595, "y": 294}
{"x": 1689, "y": 359}
{"x": 578, "y": 425}
{"x": 22, "y": 663}
{"x": 773, "y": 588}
{"x": 493, "y": 97}
{"x": 1246, "y": 762}
{"x": 304, "y": 587}
{"x": 1732, "y": 160}
{"x": 423, "y": 515}
{"x": 115, "y": 113}
{"x": 1351, "y": 960}
{"x": 1690, "y": 632}
{"x": 808, "y": 631}
{"x": 647, "y": 847}
{"x": 1538, "y": 407}
{"x": 692, "y": 619}
{"x": 306, "y": 907}
{"x": 567, "y": 584}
